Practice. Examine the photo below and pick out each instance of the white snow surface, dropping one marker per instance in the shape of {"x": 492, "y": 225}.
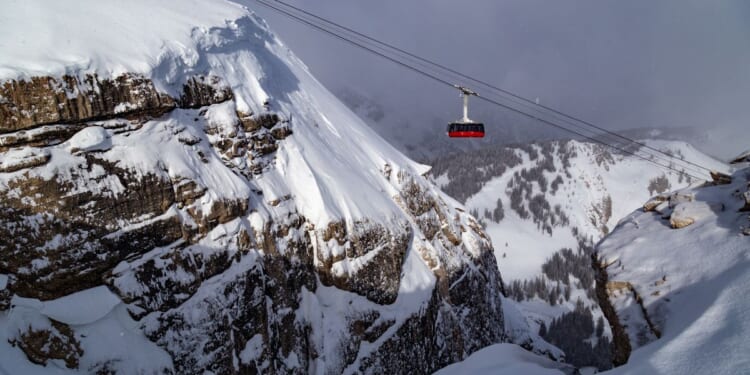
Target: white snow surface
{"x": 504, "y": 359}
{"x": 94, "y": 138}
{"x": 693, "y": 282}
{"x": 83, "y": 307}
{"x": 42, "y": 37}
{"x": 102, "y": 325}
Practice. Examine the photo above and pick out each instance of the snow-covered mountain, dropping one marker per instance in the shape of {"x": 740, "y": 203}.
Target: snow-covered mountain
{"x": 179, "y": 195}
{"x": 544, "y": 206}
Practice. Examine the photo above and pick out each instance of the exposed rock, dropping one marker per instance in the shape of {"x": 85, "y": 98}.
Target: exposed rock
{"x": 655, "y": 202}
{"x": 679, "y": 221}
{"x": 268, "y": 120}
{"x": 253, "y": 123}
{"x": 187, "y": 191}
{"x": 46, "y": 100}
{"x": 248, "y": 122}
{"x": 254, "y": 300}
{"x": 686, "y": 213}
{"x": 263, "y": 144}
{"x": 441, "y": 335}
{"x": 720, "y": 178}
{"x": 39, "y": 137}
{"x": 201, "y": 91}
{"x": 221, "y": 211}
{"x": 373, "y": 275}
{"x": 617, "y": 286}
{"x": 621, "y": 347}
{"x": 24, "y": 159}
{"x": 78, "y": 233}
{"x": 281, "y": 132}
{"x": 55, "y": 342}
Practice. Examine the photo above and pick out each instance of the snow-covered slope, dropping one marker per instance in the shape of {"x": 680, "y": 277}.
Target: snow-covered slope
{"x": 686, "y": 285}
{"x": 239, "y": 217}
{"x": 506, "y": 359}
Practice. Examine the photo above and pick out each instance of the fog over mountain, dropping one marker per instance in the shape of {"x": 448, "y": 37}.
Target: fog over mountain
{"x": 620, "y": 65}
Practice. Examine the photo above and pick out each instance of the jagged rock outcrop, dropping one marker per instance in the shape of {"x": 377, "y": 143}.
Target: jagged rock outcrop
{"x": 200, "y": 91}
{"x": 377, "y": 279}
{"x": 621, "y": 347}
{"x": 445, "y": 331}
{"x": 53, "y": 341}
{"x": 48, "y": 100}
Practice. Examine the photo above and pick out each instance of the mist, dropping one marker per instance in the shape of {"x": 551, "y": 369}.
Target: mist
{"x": 618, "y": 64}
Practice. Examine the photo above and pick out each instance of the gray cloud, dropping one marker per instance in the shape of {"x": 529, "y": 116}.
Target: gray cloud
{"x": 619, "y": 64}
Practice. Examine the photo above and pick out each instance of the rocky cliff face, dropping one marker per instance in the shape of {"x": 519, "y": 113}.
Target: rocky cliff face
{"x": 185, "y": 209}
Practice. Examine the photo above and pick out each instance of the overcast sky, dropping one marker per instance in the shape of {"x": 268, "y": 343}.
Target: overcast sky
{"x": 619, "y": 64}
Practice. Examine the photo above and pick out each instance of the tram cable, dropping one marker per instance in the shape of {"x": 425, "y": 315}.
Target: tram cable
{"x": 434, "y": 76}
{"x": 486, "y": 84}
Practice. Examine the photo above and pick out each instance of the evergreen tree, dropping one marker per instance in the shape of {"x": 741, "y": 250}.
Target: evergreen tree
{"x": 600, "y": 327}
{"x": 543, "y": 330}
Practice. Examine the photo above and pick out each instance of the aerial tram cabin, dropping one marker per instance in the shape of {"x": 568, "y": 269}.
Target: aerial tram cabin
{"x": 465, "y": 127}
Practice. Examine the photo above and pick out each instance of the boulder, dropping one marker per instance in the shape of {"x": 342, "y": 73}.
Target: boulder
{"x": 686, "y": 213}
{"x": 678, "y": 222}
{"x": 654, "y": 202}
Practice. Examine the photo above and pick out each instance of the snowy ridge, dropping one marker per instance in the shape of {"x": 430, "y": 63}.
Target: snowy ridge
{"x": 88, "y": 44}
{"x": 691, "y": 281}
